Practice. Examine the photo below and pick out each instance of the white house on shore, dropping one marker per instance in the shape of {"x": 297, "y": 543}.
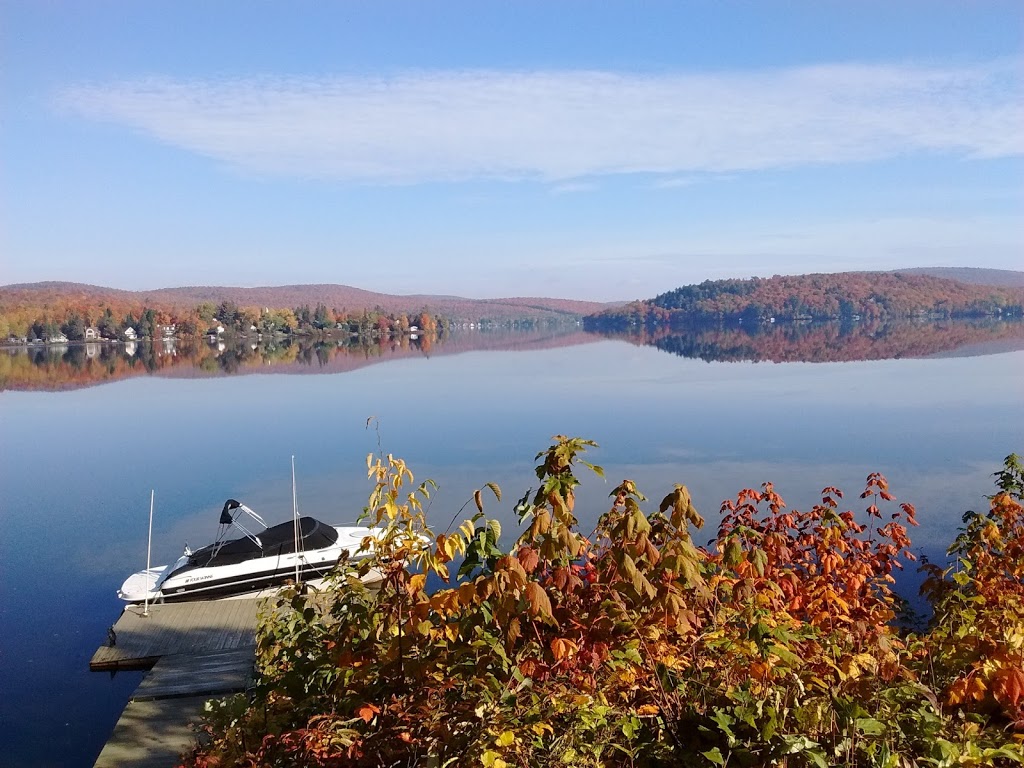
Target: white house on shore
{"x": 130, "y": 335}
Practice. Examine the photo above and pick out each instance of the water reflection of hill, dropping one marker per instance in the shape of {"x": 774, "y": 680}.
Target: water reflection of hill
{"x": 64, "y": 367}
{"x": 834, "y": 342}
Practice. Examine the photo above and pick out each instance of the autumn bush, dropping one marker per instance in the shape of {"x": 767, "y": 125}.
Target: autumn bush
{"x": 634, "y": 646}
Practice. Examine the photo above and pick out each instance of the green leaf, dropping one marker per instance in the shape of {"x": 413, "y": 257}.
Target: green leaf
{"x": 760, "y": 561}
{"x": 714, "y": 756}
{"x": 733, "y": 551}
{"x": 724, "y": 721}
{"x": 870, "y": 726}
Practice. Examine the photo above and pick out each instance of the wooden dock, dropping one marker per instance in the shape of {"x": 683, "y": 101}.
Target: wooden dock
{"x": 176, "y": 628}
{"x": 194, "y": 651}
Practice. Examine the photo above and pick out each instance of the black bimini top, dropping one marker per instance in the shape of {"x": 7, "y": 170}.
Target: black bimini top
{"x": 277, "y": 540}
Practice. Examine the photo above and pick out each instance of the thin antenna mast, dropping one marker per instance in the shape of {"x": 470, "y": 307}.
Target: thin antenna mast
{"x": 149, "y": 551}
{"x": 295, "y": 522}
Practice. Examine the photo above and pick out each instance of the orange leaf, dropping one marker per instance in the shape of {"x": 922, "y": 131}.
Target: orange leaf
{"x": 562, "y": 647}
{"x": 1009, "y": 686}
{"x": 368, "y": 711}
{"x": 540, "y": 603}
{"x": 442, "y": 553}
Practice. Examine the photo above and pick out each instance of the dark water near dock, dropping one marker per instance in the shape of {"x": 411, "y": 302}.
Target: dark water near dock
{"x": 78, "y": 460}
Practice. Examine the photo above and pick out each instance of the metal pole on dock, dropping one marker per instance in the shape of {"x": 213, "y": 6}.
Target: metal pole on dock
{"x": 295, "y": 523}
{"x": 149, "y": 551}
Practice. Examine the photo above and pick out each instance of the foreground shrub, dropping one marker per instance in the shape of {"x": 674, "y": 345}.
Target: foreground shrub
{"x": 634, "y": 646}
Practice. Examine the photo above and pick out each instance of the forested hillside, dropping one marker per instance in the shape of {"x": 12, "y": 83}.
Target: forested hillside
{"x": 844, "y": 295}
{"x": 44, "y": 310}
{"x": 974, "y": 275}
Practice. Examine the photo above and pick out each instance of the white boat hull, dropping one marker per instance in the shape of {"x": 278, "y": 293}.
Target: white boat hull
{"x": 182, "y": 581}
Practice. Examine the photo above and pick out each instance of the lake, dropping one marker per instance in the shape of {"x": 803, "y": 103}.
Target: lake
{"x": 84, "y": 443}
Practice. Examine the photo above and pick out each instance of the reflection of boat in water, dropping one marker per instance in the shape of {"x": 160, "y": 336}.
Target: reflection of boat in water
{"x": 253, "y": 562}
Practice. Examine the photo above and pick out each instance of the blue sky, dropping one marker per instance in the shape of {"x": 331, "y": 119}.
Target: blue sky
{"x": 591, "y": 150}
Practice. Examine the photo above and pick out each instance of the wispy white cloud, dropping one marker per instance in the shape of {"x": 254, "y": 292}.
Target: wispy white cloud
{"x": 674, "y": 182}
{"x": 557, "y": 125}
{"x": 569, "y": 187}
{"x": 689, "y": 180}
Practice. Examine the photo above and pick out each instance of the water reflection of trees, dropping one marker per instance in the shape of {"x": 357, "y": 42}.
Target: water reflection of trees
{"x": 70, "y": 366}
{"x": 829, "y": 342}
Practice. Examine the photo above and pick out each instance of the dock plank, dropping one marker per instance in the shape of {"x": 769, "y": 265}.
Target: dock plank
{"x": 176, "y": 628}
{"x": 207, "y": 674}
{"x": 152, "y": 734}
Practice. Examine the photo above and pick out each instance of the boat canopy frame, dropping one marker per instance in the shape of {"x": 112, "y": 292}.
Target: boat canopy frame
{"x": 277, "y": 540}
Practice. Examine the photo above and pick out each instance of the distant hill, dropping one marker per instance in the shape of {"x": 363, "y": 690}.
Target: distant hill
{"x": 845, "y": 295}
{"x": 341, "y": 297}
{"x": 971, "y": 275}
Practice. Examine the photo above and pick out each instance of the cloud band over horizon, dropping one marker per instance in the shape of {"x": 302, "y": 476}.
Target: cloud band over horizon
{"x": 552, "y": 126}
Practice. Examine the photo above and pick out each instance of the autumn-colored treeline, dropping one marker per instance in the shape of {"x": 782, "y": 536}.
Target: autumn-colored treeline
{"x": 81, "y": 316}
{"x": 827, "y": 342}
{"x": 46, "y": 308}
{"x": 846, "y": 295}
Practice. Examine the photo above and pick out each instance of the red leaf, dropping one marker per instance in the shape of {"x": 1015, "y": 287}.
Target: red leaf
{"x": 528, "y": 558}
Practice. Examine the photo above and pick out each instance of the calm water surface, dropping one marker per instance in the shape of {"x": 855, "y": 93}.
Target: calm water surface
{"x": 77, "y": 467}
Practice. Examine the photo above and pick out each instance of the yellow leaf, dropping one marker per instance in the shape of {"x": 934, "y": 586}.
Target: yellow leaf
{"x": 505, "y": 739}
{"x": 416, "y": 583}
{"x": 978, "y": 689}
{"x": 451, "y": 546}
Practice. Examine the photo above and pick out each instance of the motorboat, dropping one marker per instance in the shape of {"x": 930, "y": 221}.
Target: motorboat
{"x": 303, "y": 549}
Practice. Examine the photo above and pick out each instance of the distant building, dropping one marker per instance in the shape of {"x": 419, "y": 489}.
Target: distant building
{"x": 91, "y": 334}
{"x": 130, "y": 334}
